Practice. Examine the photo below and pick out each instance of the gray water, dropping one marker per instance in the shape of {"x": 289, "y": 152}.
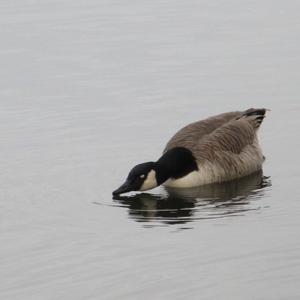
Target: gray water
{"x": 90, "y": 88}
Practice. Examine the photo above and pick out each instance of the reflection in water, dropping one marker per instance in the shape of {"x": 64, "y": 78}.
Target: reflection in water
{"x": 178, "y": 206}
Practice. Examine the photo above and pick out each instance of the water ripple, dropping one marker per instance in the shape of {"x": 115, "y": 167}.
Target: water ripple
{"x": 180, "y": 206}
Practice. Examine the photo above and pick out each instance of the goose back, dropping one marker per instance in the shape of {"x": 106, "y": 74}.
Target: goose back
{"x": 225, "y": 147}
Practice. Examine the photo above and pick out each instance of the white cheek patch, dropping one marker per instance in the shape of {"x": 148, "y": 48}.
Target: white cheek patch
{"x": 150, "y": 181}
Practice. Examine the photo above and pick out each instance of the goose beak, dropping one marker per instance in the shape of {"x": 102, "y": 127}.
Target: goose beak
{"x": 124, "y": 188}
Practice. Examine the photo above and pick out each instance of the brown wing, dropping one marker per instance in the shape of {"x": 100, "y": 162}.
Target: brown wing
{"x": 232, "y": 138}
{"x": 190, "y": 135}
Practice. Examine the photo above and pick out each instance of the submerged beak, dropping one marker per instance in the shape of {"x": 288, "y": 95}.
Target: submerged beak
{"x": 124, "y": 188}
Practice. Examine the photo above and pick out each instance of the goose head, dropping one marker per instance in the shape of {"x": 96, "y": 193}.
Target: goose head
{"x": 142, "y": 177}
{"x": 174, "y": 164}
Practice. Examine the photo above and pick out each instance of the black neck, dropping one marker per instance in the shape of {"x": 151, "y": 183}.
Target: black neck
{"x": 175, "y": 163}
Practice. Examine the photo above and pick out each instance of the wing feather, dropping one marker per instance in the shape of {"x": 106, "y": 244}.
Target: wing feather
{"x": 190, "y": 135}
{"x": 232, "y": 137}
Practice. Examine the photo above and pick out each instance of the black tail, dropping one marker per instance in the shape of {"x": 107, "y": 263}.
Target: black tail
{"x": 255, "y": 116}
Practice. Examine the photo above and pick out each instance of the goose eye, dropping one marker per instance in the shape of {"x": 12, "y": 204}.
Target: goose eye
{"x": 142, "y": 176}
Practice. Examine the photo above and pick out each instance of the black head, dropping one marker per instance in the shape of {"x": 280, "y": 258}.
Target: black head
{"x": 173, "y": 164}
{"x": 142, "y": 177}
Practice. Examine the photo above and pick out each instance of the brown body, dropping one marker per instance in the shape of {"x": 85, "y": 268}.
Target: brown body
{"x": 225, "y": 147}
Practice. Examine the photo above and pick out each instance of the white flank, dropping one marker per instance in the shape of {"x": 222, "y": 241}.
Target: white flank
{"x": 204, "y": 175}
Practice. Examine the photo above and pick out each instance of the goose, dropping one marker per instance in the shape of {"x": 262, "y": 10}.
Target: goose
{"x": 218, "y": 149}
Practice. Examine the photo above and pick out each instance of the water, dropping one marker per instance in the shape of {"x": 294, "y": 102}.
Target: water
{"x": 90, "y": 88}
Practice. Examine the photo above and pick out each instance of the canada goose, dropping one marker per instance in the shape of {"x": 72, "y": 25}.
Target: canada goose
{"x": 217, "y": 149}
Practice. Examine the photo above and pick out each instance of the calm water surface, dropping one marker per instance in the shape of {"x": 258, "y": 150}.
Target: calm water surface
{"x": 90, "y": 88}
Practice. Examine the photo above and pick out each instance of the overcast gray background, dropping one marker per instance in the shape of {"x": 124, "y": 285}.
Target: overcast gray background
{"x": 90, "y": 88}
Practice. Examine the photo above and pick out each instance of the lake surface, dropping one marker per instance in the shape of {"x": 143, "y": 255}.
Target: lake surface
{"x": 90, "y": 88}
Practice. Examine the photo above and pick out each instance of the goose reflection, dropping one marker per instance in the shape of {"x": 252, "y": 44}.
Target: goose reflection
{"x": 179, "y": 206}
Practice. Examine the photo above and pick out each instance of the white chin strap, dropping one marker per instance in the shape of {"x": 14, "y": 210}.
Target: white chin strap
{"x": 150, "y": 181}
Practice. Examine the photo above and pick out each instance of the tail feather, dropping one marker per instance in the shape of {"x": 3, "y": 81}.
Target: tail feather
{"x": 255, "y": 116}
